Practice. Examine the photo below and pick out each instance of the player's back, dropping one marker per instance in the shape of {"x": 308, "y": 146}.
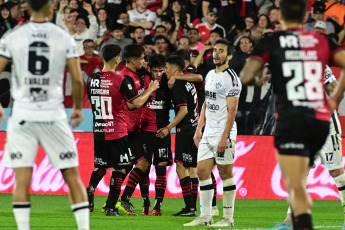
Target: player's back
{"x": 39, "y": 52}
{"x": 297, "y": 60}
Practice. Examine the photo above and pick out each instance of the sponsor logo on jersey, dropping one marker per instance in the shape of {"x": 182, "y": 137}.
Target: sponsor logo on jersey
{"x": 17, "y": 155}
{"x": 210, "y": 95}
{"x": 130, "y": 87}
{"x": 234, "y": 92}
{"x": 156, "y": 104}
{"x": 67, "y": 155}
{"x": 292, "y": 145}
{"x": 109, "y": 123}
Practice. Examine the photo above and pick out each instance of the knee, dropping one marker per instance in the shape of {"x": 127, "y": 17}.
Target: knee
{"x": 337, "y": 172}
{"x": 144, "y": 165}
{"x": 225, "y": 174}
{"x": 203, "y": 173}
{"x": 163, "y": 164}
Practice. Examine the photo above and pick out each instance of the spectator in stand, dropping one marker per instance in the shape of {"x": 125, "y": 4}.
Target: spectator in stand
{"x": 250, "y": 22}
{"x": 73, "y": 4}
{"x": 320, "y": 27}
{"x": 244, "y": 47}
{"x": 278, "y": 27}
{"x": 210, "y": 24}
{"x": 141, "y": 16}
{"x": 161, "y": 30}
{"x": 211, "y": 6}
{"x": 66, "y": 17}
{"x": 183, "y": 43}
{"x": 102, "y": 20}
{"x": 161, "y": 43}
{"x": 318, "y": 14}
{"x": 156, "y": 6}
{"x": 116, "y": 37}
{"x": 194, "y": 37}
{"x": 167, "y": 22}
{"x": 117, "y": 7}
{"x": 6, "y": 21}
{"x": 149, "y": 47}
{"x": 263, "y": 5}
{"x": 89, "y": 55}
{"x": 273, "y": 16}
{"x": 128, "y": 29}
{"x": 335, "y": 11}
{"x": 177, "y": 13}
{"x": 83, "y": 32}
{"x": 24, "y": 6}
{"x": 261, "y": 27}
{"x": 97, "y": 5}
{"x": 15, "y": 10}
{"x": 239, "y": 29}
{"x": 139, "y": 35}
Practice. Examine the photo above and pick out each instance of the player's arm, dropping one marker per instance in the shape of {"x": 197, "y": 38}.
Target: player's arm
{"x": 73, "y": 66}
{"x": 182, "y": 112}
{"x": 335, "y": 98}
{"x": 140, "y": 100}
{"x": 3, "y": 63}
{"x": 251, "y": 72}
{"x": 202, "y": 122}
{"x": 232, "y": 103}
{"x": 190, "y": 77}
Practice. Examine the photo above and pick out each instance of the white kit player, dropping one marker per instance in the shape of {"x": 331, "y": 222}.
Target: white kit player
{"x": 217, "y": 146}
{"x": 39, "y": 51}
{"x": 330, "y": 154}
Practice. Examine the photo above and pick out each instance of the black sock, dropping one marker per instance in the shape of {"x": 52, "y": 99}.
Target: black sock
{"x": 133, "y": 179}
{"x": 160, "y": 186}
{"x": 302, "y": 222}
{"x": 144, "y": 187}
{"x": 186, "y": 187}
{"x": 114, "y": 188}
{"x": 195, "y": 185}
{"x": 96, "y": 176}
{"x": 214, "y": 183}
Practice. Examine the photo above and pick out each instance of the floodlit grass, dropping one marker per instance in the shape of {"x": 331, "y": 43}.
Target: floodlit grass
{"x": 53, "y": 212}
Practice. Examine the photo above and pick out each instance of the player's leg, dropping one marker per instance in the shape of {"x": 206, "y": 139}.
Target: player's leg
{"x": 225, "y": 165}
{"x": 144, "y": 185}
{"x": 294, "y": 168}
{"x": 215, "y": 211}
{"x": 160, "y": 187}
{"x": 195, "y": 185}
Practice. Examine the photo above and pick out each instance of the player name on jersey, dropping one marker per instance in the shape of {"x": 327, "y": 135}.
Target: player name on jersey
{"x": 36, "y": 81}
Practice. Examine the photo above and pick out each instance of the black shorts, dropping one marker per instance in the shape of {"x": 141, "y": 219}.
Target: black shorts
{"x": 160, "y": 148}
{"x": 136, "y": 142}
{"x": 185, "y": 150}
{"x": 111, "y": 153}
{"x": 300, "y": 135}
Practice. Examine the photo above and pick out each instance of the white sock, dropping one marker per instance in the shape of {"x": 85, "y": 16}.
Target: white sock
{"x": 206, "y": 195}
{"x": 229, "y": 194}
{"x": 340, "y": 182}
{"x": 289, "y": 210}
{"x": 21, "y": 211}
{"x": 81, "y": 213}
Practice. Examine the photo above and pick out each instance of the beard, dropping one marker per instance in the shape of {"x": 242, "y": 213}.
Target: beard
{"x": 221, "y": 62}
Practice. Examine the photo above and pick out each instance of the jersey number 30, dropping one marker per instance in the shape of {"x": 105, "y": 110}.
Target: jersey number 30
{"x": 103, "y": 107}
{"x": 313, "y": 87}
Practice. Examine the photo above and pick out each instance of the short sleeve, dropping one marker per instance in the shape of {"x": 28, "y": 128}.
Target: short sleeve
{"x": 179, "y": 94}
{"x": 261, "y": 50}
{"x": 72, "y": 51}
{"x": 233, "y": 86}
{"x": 127, "y": 90}
{"x": 4, "y": 47}
{"x": 152, "y": 17}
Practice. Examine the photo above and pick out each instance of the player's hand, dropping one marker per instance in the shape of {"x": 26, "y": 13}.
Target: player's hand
{"x": 222, "y": 146}
{"x": 197, "y": 138}
{"x": 2, "y": 115}
{"x": 154, "y": 85}
{"x": 163, "y": 132}
{"x": 76, "y": 117}
{"x": 171, "y": 82}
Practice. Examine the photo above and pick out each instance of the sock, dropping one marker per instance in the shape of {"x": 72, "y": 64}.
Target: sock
{"x": 96, "y": 176}
{"x": 21, "y": 211}
{"x": 160, "y": 186}
{"x": 81, "y": 213}
{"x": 144, "y": 187}
{"x": 340, "y": 182}
{"x": 195, "y": 185}
{"x": 186, "y": 187}
{"x": 229, "y": 194}
{"x": 114, "y": 188}
{"x": 206, "y": 194}
{"x": 133, "y": 179}
{"x": 214, "y": 183}
{"x": 302, "y": 222}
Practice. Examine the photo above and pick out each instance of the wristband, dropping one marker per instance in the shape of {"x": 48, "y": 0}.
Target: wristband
{"x": 167, "y": 128}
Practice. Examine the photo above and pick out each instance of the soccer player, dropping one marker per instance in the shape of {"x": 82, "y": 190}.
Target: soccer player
{"x": 217, "y": 145}
{"x": 330, "y": 154}
{"x": 38, "y": 115}
{"x": 186, "y": 119}
{"x": 108, "y": 94}
{"x": 155, "y": 116}
{"x": 297, "y": 61}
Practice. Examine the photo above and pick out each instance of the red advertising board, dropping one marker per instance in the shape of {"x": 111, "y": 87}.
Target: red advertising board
{"x": 256, "y": 172}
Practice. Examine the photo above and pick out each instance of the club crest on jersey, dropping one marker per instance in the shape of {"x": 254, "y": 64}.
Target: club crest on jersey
{"x": 218, "y": 85}
{"x": 130, "y": 87}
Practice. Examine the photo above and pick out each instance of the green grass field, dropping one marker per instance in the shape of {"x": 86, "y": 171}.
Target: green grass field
{"x": 53, "y": 212}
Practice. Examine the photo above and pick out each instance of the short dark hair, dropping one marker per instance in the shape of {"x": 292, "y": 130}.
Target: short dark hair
{"x": 133, "y": 51}
{"x": 116, "y": 26}
{"x": 176, "y": 61}
{"x": 110, "y": 51}
{"x": 193, "y": 28}
{"x": 160, "y": 37}
{"x": 156, "y": 61}
{"x": 37, "y": 5}
{"x": 87, "y": 40}
{"x": 293, "y": 10}
{"x": 161, "y": 26}
{"x": 218, "y": 31}
{"x": 166, "y": 18}
{"x": 184, "y": 54}
{"x": 228, "y": 45}
{"x": 139, "y": 27}
{"x": 148, "y": 40}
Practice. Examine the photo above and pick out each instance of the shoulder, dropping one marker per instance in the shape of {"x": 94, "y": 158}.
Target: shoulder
{"x": 230, "y": 73}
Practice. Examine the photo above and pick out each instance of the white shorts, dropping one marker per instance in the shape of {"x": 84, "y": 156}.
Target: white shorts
{"x": 24, "y": 137}
{"x": 331, "y": 153}
{"x": 208, "y": 149}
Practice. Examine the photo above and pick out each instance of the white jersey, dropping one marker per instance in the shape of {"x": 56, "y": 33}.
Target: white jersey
{"x": 219, "y": 86}
{"x": 335, "y": 127}
{"x": 39, "y": 52}
{"x": 146, "y": 16}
